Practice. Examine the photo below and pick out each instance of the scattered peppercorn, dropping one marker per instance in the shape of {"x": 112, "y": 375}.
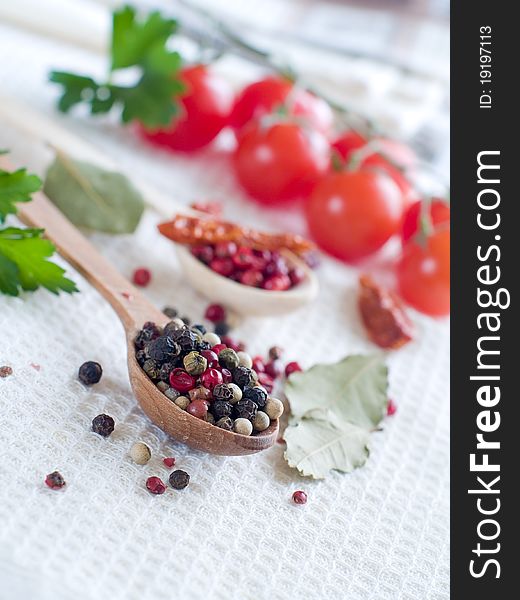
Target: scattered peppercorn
{"x": 103, "y": 425}
{"x": 170, "y": 312}
{"x": 275, "y": 353}
{"x": 391, "y": 408}
{"x": 274, "y": 368}
{"x": 90, "y": 372}
{"x": 292, "y": 367}
{"x": 5, "y": 371}
{"x": 299, "y": 497}
{"x": 142, "y": 277}
{"x": 222, "y": 328}
{"x": 169, "y": 461}
{"x": 155, "y": 485}
{"x": 179, "y": 479}
{"x": 55, "y": 480}
{"x": 140, "y": 453}
{"x": 215, "y": 313}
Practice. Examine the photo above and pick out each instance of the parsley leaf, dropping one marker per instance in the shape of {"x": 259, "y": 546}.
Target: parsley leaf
{"x": 137, "y": 43}
{"x": 15, "y": 187}
{"x": 24, "y": 264}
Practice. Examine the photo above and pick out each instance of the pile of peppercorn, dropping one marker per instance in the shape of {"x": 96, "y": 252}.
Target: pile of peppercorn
{"x": 208, "y": 379}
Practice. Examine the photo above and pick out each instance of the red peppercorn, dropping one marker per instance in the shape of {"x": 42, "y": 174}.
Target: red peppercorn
{"x": 274, "y": 368}
{"x": 225, "y": 249}
{"x": 226, "y": 376}
{"x": 211, "y": 377}
{"x": 215, "y": 313}
{"x": 296, "y": 276}
{"x": 142, "y": 277}
{"x": 277, "y": 283}
{"x": 252, "y": 277}
{"x": 299, "y": 497}
{"x": 391, "y": 409}
{"x": 267, "y": 381}
{"x": 292, "y": 367}
{"x": 231, "y": 343}
{"x": 198, "y": 408}
{"x": 258, "y": 364}
{"x": 222, "y": 266}
{"x": 182, "y": 381}
{"x": 155, "y": 485}
{"x": 203, "y": 253}
{"x": 217, "y": 348}
{"x": 169, "y": 462}
{"x": 55, "y": 480}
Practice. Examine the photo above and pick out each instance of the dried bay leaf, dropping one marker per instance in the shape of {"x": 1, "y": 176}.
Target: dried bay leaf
{"x": 333, "y": 410}
{"x": 320, "y": 443}
{"x": 92, "y": 197}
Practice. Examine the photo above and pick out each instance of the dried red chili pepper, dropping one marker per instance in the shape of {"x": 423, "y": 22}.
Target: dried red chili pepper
{"x": 185, "y": 229}
{"x": 383, "y": 315}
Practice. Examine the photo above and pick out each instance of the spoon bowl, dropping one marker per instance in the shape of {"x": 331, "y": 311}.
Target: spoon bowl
{"x": 244, "y": 299}
{"x": 134, "y": 310}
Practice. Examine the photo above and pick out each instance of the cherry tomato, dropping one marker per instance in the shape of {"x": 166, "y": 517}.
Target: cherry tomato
{"x": 205, "y": 107}
{"x": 439, "y": 214}
{"x": 262, "y": 97}
{"x": 423, "y": 273}
{"x": 400, "y": 154}
{"x": 351, "y": 214}
{"x": 280, "y": 162}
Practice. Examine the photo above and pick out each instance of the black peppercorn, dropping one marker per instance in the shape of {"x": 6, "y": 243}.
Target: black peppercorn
{"x": 222, "y": 391}
{"x": 186, "y": 320}
{"x": 225, "y": 423}
{"x": 243, "y": 376}
{"x": 170, "y": 312}
{"x": 172, "y": 326}
{"x": 201, "y": 345}
{"x": 140, "y": 356}
{"x": 90, "y": 372}
{"x": 103, "y": 425}
{"x": 179, "y": 479}
{"x": 221, "y": 408}
{"x": 222, "y": 328}
{"x": 165, "y": 370}
{"x": 149, "y": 332}
{"x": 152, "y": 368}
{"x": 185, "y": 338}
{"x": 162, "y": 349}
{"x": 257, "y": 394}
{"x": 245, "y": 409}
{"x": 200, "y": 328}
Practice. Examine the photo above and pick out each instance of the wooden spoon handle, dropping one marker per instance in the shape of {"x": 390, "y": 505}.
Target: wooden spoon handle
{"x": 131, "y": 306}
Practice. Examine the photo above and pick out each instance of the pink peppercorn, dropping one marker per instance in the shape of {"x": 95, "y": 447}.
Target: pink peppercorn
{"x": 267, "y": 381}
{"x": 182, "y": 381}
{"x": 258, "y": 364}
{"x": 292, "y": 367}
{"x": 211, "y": 377}
{"x": 391, "y": 408}
{"x": 169, "y": 461}
{"x": 227, "y": 377}
{"x": 54, "y": 480}
{"x": 155, "y": 485}
{"x": 217, "y": 348}
{"x": 198, "y": 408}
{"x": 274, "y": 368}
{"x": 215, "y": 313}
{"x": 142, "y": 277}
{"x": 299, "y": 497}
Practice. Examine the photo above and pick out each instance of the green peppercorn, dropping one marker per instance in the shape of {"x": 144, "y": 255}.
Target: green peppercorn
{"x": 162, "y": 386}
{"x": 225, "y": 423}
{"x": 151, "y": 368}
{"x": 172, "y": 394}
{"x": 195, "y": 363}
{"x": 228, "y": 359}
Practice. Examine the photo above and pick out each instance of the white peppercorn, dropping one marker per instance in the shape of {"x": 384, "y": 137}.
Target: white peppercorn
{"x": 140, "y": 453}
{"x": 243, "y": 426}
{"x": 182, "y": 402}
{"x": 245, "y": 360}
{"x": 237, "y": 393}
{"x": 274, "y": 408}
{"x": 261, "y": 421}
{"x": 211, "y": 338}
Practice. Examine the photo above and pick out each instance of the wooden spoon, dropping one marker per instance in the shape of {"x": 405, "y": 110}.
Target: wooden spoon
{"x": 134, "y": 310}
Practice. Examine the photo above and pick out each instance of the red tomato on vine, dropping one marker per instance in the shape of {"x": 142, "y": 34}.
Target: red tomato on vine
{"x": 263, "y": 97}
{"x": 205, "y": 107}
{"x": 280, "y": 162}
{"x": 438, "y": 213}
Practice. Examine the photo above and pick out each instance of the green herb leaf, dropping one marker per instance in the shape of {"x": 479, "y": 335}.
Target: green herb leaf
{"x": 15, "y": 187}
{"x": 93, "y": 197}
{"x": 24, "y": 264}
{"x": 334, "y": 408}
{"x": 135, "y": 43}
{"x": 322, "y": 442}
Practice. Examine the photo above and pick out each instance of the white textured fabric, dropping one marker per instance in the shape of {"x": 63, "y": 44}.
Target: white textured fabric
{"x": 380, "y": 533}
